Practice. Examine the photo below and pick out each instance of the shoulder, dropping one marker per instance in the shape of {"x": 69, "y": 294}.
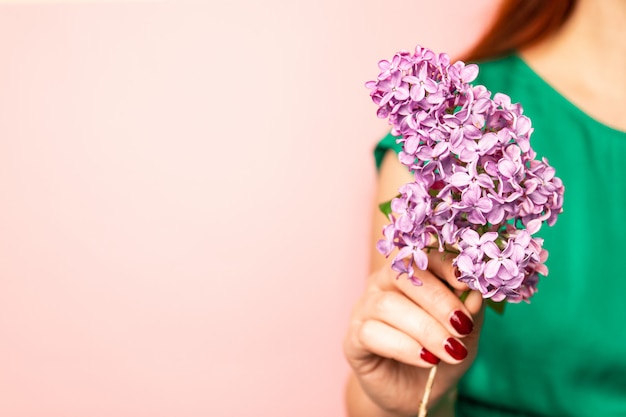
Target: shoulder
{"x": 501, "y": 74}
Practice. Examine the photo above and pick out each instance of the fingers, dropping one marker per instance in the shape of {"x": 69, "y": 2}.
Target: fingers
{"x": 474, "y": 302}
{"x": 437, "y": 327}
{"x": 435, "y": 297}
{"x": 440, "y": 264}
{"x": 387, "y": 341}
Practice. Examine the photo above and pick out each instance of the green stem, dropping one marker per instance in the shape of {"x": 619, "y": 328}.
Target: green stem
{"x": 454, "y": 252}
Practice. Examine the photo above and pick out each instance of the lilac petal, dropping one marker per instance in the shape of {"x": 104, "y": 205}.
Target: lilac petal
{"x": 481, "y": 106}
{"x": 403, "y": 253}
{"x": 462, "y": 115}
{"x": 508, "y": 250}
{"x": 487, "y": 142}
{"x": 459, "y": 179}
{"x": 382, "y": 113}
{"x": 417, "y": 92}
{"x": 464, "y": 263}
{"x": 441, "y": 207}
{"x": 401, "y": 93}
{"x": 502, "y": 99}
{"x": 411, "y": 144}
{"x": 398, "y": 205}
{"x": 415, "y": 281}
{"x": 523, "y": 125}
{"x": 484, "y": 181}
{"x": 491, "y": 168}
{"x": 484, "y": 205}
{"x": 385, "y": 247}
{"x": 422, "y": 72}
{"x": 430, "y": 86}
{"x": 512, "y": 152}
{"x": 469, "y": 73}
{"x": 474, "y": 253}
{"x": 389, "y": 232}
{"x": 518, "y": 256}
{"x": 510, "y": 266}
{"x": 421, "y": 259}
{"x": 482, "y": 285}
{"x": 543, "y": 255}
{"x": 507, "y": 168}
{"x": 498, "y": 296}
{"x": 448, "y": 233}
{"x": 471, "y": 194}
{"x": 439, "y": 149}
{"x": 533, "y": 226}
{"x": 524, "y": 144}
{"x": 468, "y": 153}
{"x": 405, "y": 223}
{"x": 531, "y": 185}
{"x": 491, "y": 250}
{"x": 406, "y": 159}
{"x": 471, "y": 236}
{"x": 496, "y": 215}
{"x": 411, "y": 79}
{"x": 523, "y": 238}
{"x": 492, "y": 268}
{"x": 541, "y": 269}
{"x": 388, "y": 96}
{"x": 370, "y": 84}
{"x": 488, "y": 237}
{"x": 402, "y": 267}
{"x": 472, "y": 132}
{"x": 538, "y": 198}
{"x": 476, "y": 217}
{"x": 548, "y": 174}
{"x": 384, "y": 65}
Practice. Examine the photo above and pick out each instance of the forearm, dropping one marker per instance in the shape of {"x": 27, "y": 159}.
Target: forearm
{"x": 359, "y": 403}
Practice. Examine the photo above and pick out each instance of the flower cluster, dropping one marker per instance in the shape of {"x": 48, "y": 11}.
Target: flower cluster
{"x": 478, "y": 190}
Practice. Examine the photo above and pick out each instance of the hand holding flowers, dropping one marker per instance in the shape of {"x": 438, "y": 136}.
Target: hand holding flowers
{"x": 476, "y": 191}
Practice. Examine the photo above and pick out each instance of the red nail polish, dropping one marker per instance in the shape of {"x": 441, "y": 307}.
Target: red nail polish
{"x": 461, "y": 323}
{"x": 457, "y": 273}
{"x": 428, "y": 356}
{"x": 455, "y": 349}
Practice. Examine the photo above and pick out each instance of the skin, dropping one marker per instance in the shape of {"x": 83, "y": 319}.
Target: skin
{"x": 393, "y": 319}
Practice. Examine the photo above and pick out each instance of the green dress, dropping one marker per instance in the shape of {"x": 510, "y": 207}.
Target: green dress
{"x": 564, "y": 354}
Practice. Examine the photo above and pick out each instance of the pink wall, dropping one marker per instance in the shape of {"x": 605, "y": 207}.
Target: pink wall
{"x": 184, "y": 195}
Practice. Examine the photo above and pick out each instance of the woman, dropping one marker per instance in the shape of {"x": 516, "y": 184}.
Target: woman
{"x": 564, "y": 354}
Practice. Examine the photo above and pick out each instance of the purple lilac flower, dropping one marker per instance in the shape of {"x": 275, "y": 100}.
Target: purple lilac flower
{"x": 478, "y": 189}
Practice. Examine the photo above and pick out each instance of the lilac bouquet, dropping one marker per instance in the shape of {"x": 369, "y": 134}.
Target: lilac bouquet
{"x": 478, "y": 190}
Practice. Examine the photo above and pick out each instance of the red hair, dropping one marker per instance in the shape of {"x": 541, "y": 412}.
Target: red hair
{"x": 518, "y": 24}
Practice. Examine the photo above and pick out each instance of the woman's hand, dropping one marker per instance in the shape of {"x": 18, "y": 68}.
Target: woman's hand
{"x": 398, "y": 331}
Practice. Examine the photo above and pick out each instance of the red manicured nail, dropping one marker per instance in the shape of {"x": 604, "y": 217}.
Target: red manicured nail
{"x": 428, "y": 356}
{"x": 461, "y": 323}
{"x": 457, "y": 273}
{"x": 455, "y": 349}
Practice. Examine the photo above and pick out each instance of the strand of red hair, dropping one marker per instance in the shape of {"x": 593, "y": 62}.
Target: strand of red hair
{"x": 519, "y": 24}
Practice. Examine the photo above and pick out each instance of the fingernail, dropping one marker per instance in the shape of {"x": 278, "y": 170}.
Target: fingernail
{"x": 461, "y": 323}
{"x": 428, "y": 356}
{"x": 455, "y": 349}
{"x": 457, "y": 273}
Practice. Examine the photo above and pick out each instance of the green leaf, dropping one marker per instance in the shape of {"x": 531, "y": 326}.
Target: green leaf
{"x": 385, "y": 208}
{"x": 498, "y": 307}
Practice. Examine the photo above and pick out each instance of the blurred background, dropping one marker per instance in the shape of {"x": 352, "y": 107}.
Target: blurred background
{"x": 185, "y": 195}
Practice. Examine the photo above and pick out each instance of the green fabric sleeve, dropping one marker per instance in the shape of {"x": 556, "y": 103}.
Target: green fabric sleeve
{"x": 385, "y": 144}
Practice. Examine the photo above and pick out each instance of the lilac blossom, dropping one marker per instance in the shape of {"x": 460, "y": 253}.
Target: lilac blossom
{"x": 478, "y": 190}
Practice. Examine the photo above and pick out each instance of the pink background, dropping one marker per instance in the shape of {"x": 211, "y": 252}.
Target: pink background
{"x": 185, "y": 193}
